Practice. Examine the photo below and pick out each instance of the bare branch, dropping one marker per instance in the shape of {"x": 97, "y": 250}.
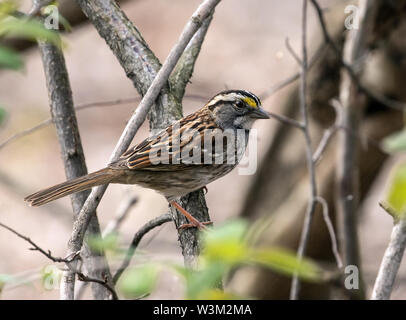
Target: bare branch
{"x": 391, "y": 261}
{"x": 104, "y": 283}
{"x": 122, "y": 212}
{"x": 292, "y": 52}
{"x": 112, "y": 226}
{"x": 330, "y": 228}
{"x": 156, "y": 222}
{"x": 184, "y": 69}
{"x": 68, "y": 260}
{"x": 63, "y": 115}
{"x": 330, "y": 132}
{"x": 309, "y": 155}
{"x": 35, "y": 247}
{"x": 284, "y": 83}
{"x": 347, "y": 171}
{"x": 81, "y": 107}
{"x": 286, "y": 120}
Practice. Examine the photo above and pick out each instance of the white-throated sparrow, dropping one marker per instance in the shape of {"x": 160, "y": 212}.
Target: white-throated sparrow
{"x": 182, "y": 158}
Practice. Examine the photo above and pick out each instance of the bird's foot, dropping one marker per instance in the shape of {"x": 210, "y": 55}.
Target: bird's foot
{"x": 194, "y": 223}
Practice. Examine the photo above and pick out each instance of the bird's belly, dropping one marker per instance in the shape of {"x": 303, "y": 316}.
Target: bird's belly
{"x": 177, "y": 183}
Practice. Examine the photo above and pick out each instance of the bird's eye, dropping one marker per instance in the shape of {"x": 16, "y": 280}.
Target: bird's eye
{"x": 239, "y": 104}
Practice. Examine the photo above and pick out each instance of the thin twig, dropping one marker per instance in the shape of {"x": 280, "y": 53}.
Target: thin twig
{"x": 284, "y": 83}
{"x": 292, "y": 52}
{"x": 80, "y": 107}
{"x": 68, "y": 261}
{"x": 136, "y": 240}
{"x": 309, "y": 155}
{"x": 122, "y": 213}
{"x": 48, "y": 253}
{"x": 286, "y": 120}
{"x": 330, "y": 228}
{"x": 104, "y": 283}
{"x": 330, "y": 132}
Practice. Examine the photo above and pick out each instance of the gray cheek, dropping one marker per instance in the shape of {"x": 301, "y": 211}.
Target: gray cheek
{"x": 244, "y": 122}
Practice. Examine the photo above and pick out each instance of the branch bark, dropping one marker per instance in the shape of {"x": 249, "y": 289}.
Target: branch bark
{"x": 391, "y": 262}
{"x": 63, "y": 115}
{"x": 354, "y": 103}
{"x": 156, "y": 222}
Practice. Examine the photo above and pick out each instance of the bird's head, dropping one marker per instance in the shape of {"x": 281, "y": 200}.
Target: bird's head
{"x": 236, "y": 109}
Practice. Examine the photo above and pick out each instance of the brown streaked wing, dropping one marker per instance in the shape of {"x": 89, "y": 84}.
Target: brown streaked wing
{"x": 147, "y": 155}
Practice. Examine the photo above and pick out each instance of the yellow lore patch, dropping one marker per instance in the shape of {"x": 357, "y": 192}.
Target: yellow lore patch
{"x": 251, "y": 102}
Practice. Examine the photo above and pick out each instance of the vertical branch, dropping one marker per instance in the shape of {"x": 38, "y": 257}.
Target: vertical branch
{"x": 295, "y": 286}
{"x": 184, "y": 69}
{"x": 63, "y": 115}
{"x": 353, "y": 102}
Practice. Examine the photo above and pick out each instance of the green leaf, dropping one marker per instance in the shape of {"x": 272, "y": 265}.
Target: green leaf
{"x": 3, "y": 114}
{"x": 28, "y": 29}
{"x": 396, "y": 196}
{"x": 139, "y": 281}
{"x": 286, "y": 262}
{"x": 109, "y": 242}
{"x": 6, "y": 7}
{"x": 217, "y": 294}
{"x": 206, "y": 279}
{"x": 226, "y": 243}
{"x": 395, "y": 142}
{"x": 10, "y": 59}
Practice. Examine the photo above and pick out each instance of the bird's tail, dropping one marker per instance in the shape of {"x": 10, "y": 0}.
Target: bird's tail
{"x": 97, "y": 178}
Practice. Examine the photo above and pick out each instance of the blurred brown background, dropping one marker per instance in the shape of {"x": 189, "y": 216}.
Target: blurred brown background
{"x": 244, "y": 48}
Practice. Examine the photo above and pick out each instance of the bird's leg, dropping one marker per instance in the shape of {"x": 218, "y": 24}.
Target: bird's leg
{"x": 194, "y": 223}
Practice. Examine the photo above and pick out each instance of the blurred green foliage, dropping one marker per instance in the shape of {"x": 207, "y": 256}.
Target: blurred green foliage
{"x": 395, "y": 142}
{"x": 3, "y": 115}
{"x": 102, "y": 244}
{"x": 395, "y": 202}
{"x": 18, "y": 26}
{"x": 225, "y": 249}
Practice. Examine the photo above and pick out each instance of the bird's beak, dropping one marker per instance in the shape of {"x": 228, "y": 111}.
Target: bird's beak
{"x": 259, "y": 113}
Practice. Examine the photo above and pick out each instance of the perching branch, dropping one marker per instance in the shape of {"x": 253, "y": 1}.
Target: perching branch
{"x": 94, "y": 11}
{"x": 156, "y": 222}
{"x": 63, "y": 115}
{"x": 391, "y": 260}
